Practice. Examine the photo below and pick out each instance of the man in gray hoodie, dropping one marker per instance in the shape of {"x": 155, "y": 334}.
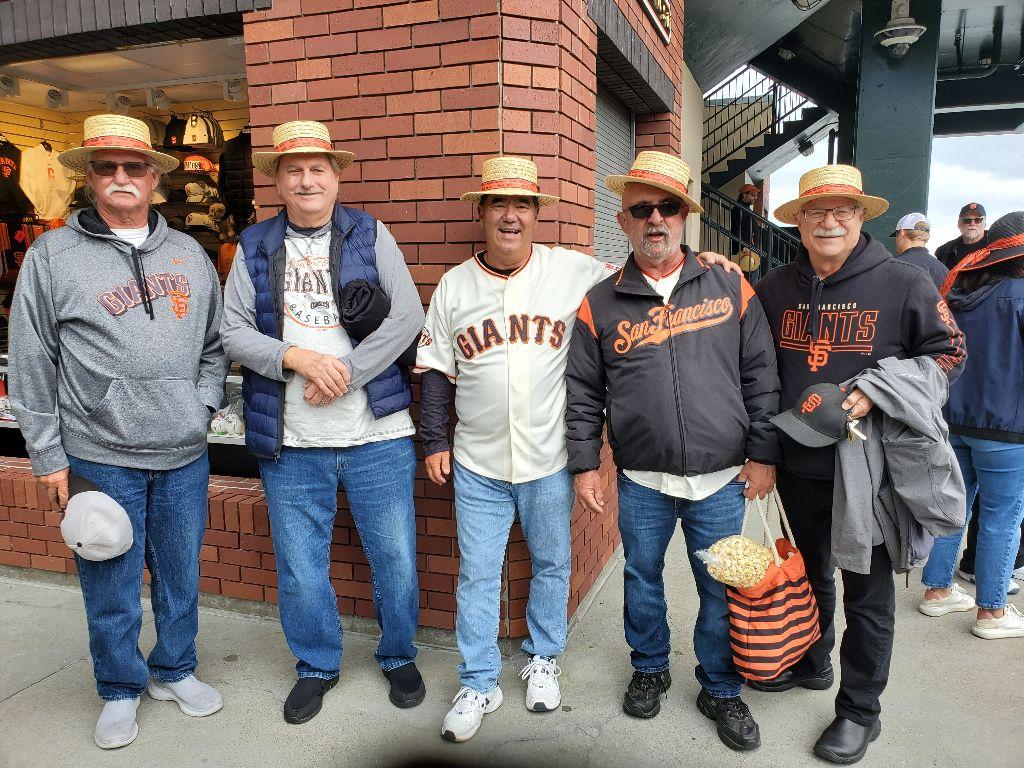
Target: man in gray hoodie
{"x": 115, "y": 366}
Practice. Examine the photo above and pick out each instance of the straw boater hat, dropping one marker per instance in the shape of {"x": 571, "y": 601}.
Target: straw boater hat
{"x": 659, "y": 170}
{"x": 115, "y": 132}
{"x": 509, "y": 177}
{"x": 300, "y": 137}
{"x": 831, "y": 181}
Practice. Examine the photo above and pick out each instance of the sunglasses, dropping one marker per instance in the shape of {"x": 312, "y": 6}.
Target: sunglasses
{"x": 135, "y": 170}
{"x": 972, "y": 220}
{"x": 667, "y": 209}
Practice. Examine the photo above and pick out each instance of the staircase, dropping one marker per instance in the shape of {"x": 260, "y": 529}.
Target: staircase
{"x": 754, "y": 125}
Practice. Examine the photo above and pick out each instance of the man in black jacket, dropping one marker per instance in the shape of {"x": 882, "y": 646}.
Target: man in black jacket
{"x": 843, "y": 305}
{"x": 973, "y": 236}
{"x": 683, "y": 359}
{"x": 912, "y": 233}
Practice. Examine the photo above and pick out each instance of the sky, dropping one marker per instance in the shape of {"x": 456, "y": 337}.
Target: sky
{"x": 984, "y": 169}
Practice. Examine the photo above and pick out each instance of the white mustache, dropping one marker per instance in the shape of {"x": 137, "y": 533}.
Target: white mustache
{"x": 649, "y": 230}
{"x": 113, "y": 187}
{"x": 837, "y": 231}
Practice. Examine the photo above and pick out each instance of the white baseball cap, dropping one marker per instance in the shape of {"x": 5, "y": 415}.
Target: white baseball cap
{"x": 912, "y": 221}
{"x": 95, "y": 526}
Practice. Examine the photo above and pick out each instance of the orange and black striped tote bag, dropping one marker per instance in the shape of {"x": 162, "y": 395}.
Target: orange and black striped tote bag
{"x": 773, "y": 623}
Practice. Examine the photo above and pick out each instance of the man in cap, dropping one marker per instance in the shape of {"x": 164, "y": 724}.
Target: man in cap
{"x": 973, "y": 236}
{"x": 681, "y": 360}
{"x": 115, "y": 366}
{"x": 500, "y": 323}
{"x": 911, "y": 234}
{"x": 323, "y": 411}
{"x": 842, "y": 306}
{"x": 745, "y": 231}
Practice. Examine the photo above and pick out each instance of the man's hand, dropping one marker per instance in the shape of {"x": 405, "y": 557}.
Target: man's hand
{"x": 439, "y": 466}
{"x": 588, "y": 491}
{"x": 712, "y": 259}
{"x": 311, "y": 394}
{"x": 328, "y": 373}
{"x": 57, "y": 486}
{"x": 760, "y": 479}
{"x": 858, "y": 405}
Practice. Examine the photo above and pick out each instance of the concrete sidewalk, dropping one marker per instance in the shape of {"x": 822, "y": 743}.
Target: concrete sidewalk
{"x": 953, "y": 700}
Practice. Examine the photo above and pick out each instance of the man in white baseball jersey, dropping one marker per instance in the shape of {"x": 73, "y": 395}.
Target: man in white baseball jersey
{"x": 500, "y": 322}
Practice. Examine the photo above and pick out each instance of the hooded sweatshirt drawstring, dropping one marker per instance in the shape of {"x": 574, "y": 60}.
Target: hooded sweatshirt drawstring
{"x": 140, "y": 277}
{"x": 817, "y": 287}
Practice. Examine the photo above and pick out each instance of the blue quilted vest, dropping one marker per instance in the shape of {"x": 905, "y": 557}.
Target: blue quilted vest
{"x": 263, "y": 398}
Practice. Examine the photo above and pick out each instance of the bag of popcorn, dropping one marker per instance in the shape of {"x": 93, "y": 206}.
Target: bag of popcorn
{"x": 737, "y": 561}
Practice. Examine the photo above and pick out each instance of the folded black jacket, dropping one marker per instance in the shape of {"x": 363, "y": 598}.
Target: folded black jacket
{"x": 363, "y": 308}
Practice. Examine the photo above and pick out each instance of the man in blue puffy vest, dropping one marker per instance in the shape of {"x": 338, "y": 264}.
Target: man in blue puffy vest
{"x": 323, "y": 411}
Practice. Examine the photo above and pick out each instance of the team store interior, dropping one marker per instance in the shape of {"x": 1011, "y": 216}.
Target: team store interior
{"x": 193, "y": 96}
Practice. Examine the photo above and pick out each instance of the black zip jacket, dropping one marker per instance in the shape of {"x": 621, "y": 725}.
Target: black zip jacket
{"x": 689, "y": 386}
{"x": 830, "y": 330}
{"x": 953, "y": 252}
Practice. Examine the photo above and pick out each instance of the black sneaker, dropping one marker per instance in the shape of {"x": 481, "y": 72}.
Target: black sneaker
{"x": 407, "y": 689}
{"x": 306, "y": 698}
{"x": 736, "y": 726}
{"x": 643, "y": 696}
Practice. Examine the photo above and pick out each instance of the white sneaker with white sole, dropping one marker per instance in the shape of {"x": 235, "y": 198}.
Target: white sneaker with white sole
{"x": 194, "y": 697}
{"x": 956, "y": 600}
{"x": 116, "y": 726}
{"x": 1010, "y": 624}
{"x": 463, "y": 720}
{"x": 542, "y": 692}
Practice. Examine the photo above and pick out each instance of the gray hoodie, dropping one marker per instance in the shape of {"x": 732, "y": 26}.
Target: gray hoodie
{"x": 101, "y": 374}
{"x": 902, "y": 486}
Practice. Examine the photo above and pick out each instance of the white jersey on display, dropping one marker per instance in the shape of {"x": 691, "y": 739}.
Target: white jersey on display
{"x": 46, "y": 182}
{"x": 503, "y": 340}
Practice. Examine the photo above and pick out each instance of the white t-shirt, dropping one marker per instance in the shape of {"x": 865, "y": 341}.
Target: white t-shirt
{"x": 312, "y": 321}
{"x": 695, "y": 487}
{"x": 135, "y": 236}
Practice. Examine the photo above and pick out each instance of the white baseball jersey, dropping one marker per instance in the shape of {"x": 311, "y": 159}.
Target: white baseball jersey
{"x": 503, "y": 340}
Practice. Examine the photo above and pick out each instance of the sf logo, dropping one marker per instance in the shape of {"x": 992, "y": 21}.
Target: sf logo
{"x": 819, "y": 354}
{"x": 810, "y": 404}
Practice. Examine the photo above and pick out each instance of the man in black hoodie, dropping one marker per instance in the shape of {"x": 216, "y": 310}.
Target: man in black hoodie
{"x": 843, "y": 305}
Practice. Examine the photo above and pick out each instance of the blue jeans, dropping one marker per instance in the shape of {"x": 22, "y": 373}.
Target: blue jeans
{"x": 995, "y": 470}
{"x": 168, "y": 512}
{"x": 302, "y": 498}
{"x": 647, "y": 520}
{"x": 484, "y": 510}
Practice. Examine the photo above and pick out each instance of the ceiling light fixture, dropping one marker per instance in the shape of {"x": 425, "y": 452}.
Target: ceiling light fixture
{"x": 56, "y": 98}
{"x": 786, "y": 54}
{"x": 805, "y": 147}
{"x": 157, "y": 99}
{"x": 119, "y": 103}
{"x": 233, "y": 90}
{"x": 901, "y": 32}
{"x": 9, "y": 86}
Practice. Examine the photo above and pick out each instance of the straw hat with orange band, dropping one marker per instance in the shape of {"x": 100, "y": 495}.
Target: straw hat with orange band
{"x": 661, "y": 171}
{"x": 1005, "y": 242}
{"x": 509, "y": 177}
{"x": 115, "y": 132}
{"x": 299, "y": 137}
{"x": 831, "y": 181}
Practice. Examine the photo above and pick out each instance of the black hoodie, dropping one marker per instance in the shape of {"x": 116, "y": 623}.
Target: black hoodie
{"x": 828, "y": 331}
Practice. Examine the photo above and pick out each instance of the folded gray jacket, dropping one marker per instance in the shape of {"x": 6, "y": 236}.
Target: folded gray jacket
{"x": 902, "y": 486}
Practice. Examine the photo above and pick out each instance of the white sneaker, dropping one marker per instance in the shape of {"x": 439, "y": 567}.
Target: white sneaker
{"x": 116, "y": 726}
{"x": 194, "y": 697}
{"x": 1010, "y": 624}
{"x": 542, "y": 693}
{"x": 463, "y": 720}
{"x": 1012, "y": 588}
{"x": 1018, "y": 573}
{"x": 956, "y": 600}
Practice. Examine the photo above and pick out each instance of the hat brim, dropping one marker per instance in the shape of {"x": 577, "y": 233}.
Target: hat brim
{"x": 617, "y": 183}
{"x": 996, "y": 257}
{"x": 77, "y": 159}
{"x": 802, "y": 433}
{"x": 265, "y": 162}
{"x": 873, "y": 206}
{"x": 474, "y": 197}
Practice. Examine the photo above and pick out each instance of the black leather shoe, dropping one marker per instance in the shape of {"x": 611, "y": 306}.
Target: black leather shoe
{"x": 736, "y": 726}
{"x": 407, "y": 689}
{"x": 845, "y": 742}
{"x": 306, "y": 698}
{"x": 793, "y": 678}
{"x": 643, "y": 696}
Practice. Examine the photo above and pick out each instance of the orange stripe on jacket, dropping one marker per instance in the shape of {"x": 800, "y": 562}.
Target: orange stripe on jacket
{"x": 585, "y": 315}
{"x": 746, "y": 294}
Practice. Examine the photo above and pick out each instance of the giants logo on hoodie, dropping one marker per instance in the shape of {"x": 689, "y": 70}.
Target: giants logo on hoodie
{"x": 841, "y": 328}
{"x": 128, "y": 296}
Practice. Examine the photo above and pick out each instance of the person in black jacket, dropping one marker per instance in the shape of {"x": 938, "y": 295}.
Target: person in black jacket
{"x": 912, "y": 233}
{"x": 973, "y": 236}
{"x": 234, "y": 179}
{"x": 843, "y": 305}
{"x": 745, "y": 230}
{"x": 683, "y": 358}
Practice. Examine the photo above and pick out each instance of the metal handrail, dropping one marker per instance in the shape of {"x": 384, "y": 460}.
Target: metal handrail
{"x": 773, "y": 245}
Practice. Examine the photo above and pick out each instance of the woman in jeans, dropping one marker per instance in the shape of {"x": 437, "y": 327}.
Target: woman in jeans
{"x": 986, "y": 418}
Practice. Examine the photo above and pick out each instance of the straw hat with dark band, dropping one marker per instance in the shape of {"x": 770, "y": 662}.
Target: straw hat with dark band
{"x": 661, "y": 171}
{"x": 1005, "y": 242}
{"x": 299, "y": 137}
{"x": 509, "y": 177}
{"x": 831, "y": 181}
{"x": 115, "y": 132}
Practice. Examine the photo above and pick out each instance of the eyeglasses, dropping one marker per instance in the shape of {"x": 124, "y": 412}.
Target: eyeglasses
{"x": 972, "y": 220}
{"x": 840, "y": 213}
{"x": 134, "y": 169}
{"x": 667, "y": 209}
